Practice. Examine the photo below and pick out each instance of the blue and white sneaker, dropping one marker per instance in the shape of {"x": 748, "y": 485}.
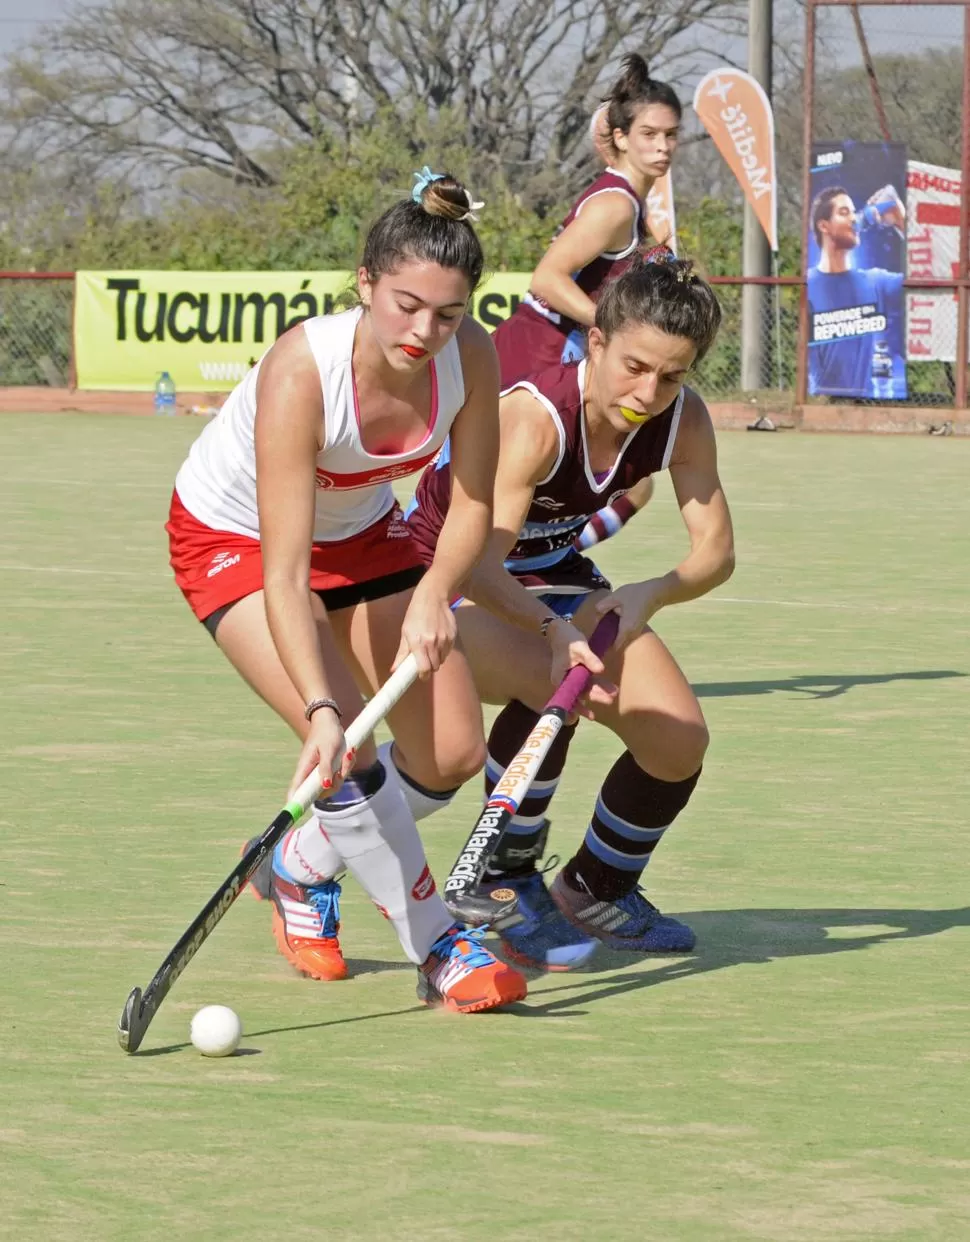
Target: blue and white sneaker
{"x": 460, "y": 974}
{"x": 630, "y": 924}
{"x": 543, "y": 939}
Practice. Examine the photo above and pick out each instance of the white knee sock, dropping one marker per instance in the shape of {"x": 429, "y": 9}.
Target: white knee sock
{"x": 423, "y": 802}
{"x": 308, "y": 855}
{"x": 377, "y": 838}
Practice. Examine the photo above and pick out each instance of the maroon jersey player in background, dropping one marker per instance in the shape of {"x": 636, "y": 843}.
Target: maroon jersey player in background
{"x": 605, "y": 227}
{"x": 635, "y": 133}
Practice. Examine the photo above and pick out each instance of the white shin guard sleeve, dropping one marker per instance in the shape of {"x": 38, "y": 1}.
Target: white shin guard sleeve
{"x": 378, "y": 841}
{"x": 421, "y": 802}
{"x": 308, "y": 855}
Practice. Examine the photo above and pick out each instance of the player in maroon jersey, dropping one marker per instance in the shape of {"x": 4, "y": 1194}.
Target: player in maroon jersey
{"x": 572, "y": 438}
{"x": 603, "y": 230}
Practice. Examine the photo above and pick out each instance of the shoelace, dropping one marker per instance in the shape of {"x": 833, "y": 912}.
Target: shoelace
{"x": 638, "y": 906}
{"x": 552, "y": 862}
{"x": 325, "y": 899}
{"x": 475, "y": 955}
{"x": 538, "y": 894}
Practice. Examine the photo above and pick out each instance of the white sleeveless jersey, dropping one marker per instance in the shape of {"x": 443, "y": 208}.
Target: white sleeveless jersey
{"x": 217, "y": 482}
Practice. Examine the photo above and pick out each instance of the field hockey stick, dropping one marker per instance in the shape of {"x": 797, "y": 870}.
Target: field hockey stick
{"x": 461, "y": 891}
{"x": 141, "y": 1007}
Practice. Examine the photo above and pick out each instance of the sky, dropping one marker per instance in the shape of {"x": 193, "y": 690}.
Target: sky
{"x": 887, "y": 29}
{"x": 19, "y": 19}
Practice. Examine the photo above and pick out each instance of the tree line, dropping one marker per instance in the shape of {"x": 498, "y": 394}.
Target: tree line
{"x": 267, "y": 134}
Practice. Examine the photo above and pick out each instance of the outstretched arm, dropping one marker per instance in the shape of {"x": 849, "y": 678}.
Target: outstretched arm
{"x": 474, "y": 460}
{"x": 710, "y": 561}
{"x": 288, "y": 430}
{"x": 429, "y": 627}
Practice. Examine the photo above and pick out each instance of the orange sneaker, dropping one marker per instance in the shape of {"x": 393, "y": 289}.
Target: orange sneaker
{"x": 460, "y": 974}
{"x": 306, "y": 920}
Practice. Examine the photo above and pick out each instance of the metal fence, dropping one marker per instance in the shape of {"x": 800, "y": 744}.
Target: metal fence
{"x": 36, "y": 312}
{"x": 718, "y": 378}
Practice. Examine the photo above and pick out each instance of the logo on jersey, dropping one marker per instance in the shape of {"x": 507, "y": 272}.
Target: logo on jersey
{"x": 221, "y": 561}
{"x": 547, "y": 502}
{"x": 396, "y": 527}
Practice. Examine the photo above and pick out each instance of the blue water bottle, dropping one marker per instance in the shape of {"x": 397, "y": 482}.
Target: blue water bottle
{"x": 871, "y": 215}
{"x": 165, "y": 394}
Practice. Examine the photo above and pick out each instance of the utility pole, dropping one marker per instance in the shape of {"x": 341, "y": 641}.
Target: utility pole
{"x": 756, "y": 251}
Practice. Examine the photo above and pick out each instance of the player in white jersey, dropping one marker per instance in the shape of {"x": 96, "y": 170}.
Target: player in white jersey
{"x": 289, "y": 546}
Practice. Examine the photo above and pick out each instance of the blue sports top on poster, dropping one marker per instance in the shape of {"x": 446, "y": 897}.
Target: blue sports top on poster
{"x": 855, "y": 260}
{"x": 850, "y": 315}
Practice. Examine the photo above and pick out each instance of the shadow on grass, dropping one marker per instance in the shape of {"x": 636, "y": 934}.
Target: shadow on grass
{"x": 725, "y": 937}
{"x": 282, "y": 1030}
{"x": 816, "y": 685}
{"x": 752, "y": 937}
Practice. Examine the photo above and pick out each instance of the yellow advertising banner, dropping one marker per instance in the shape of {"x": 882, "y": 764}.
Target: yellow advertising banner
{"x": 736, "y": 112}
{"x": 208, "y": 328}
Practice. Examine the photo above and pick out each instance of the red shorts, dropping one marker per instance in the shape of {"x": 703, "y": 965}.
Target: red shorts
{"x": 214, "y": 568}
{"x": 526, "y": 343}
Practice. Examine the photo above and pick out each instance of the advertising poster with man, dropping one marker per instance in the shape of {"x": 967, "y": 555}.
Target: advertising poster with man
{"x": 857, "y": 261}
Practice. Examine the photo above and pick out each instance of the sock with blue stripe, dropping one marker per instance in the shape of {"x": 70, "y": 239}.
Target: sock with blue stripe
{"x": 524, "y": 840}
{"x": 633, "y": 811}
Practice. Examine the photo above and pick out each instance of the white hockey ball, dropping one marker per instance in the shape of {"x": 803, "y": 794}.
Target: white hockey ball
{"x": 216, "y": 1031}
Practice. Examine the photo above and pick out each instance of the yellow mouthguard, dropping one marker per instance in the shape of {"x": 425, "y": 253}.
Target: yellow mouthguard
{"x": 632, "y": 416}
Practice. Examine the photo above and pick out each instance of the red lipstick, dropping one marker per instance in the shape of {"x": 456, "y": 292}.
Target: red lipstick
{"x": 413, "y": 351}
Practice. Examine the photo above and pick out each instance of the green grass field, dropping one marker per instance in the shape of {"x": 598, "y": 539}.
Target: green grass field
{"x": 802, "y": 1077}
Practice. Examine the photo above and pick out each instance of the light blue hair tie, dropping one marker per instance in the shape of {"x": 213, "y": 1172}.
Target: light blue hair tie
{"x": 423, "y": 180}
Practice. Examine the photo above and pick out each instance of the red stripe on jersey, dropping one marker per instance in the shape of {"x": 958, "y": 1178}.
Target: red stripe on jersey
{"x": 328, "y": 480}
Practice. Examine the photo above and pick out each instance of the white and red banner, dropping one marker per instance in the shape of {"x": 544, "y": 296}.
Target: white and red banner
{"x": 932, "y": 252}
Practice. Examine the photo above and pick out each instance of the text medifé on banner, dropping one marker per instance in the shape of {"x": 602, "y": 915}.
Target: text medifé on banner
{"x": 736, "y": 112}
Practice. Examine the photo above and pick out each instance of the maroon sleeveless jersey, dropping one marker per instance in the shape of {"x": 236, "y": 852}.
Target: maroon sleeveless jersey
{"x": 605, "y": 266}
{"x": 533, "y": 336}
{"x": 563, "y": 502}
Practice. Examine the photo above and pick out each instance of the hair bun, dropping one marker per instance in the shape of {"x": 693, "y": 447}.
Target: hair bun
{"x": 441, "y": 194}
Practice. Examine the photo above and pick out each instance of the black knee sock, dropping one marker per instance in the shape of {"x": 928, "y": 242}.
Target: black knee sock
{"x": 633, "y": 811}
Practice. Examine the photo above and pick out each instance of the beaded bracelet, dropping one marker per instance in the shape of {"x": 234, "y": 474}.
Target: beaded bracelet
{"x": 314, "y": 704}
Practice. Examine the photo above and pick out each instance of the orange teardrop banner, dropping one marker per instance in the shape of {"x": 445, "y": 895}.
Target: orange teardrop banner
{"x": 736, "y": 112}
